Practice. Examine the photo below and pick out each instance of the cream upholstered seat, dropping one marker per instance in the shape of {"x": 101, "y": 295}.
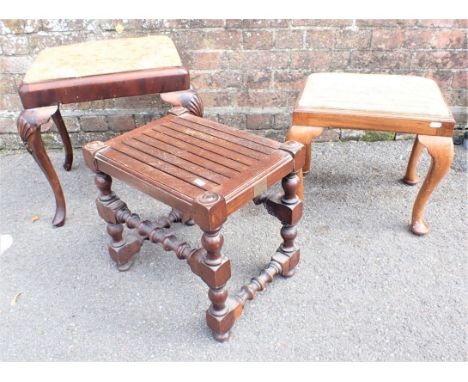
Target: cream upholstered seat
{"x": 375, "y": 94}
{"x": 93, "y": 58}
{"x": 380, "y": 102}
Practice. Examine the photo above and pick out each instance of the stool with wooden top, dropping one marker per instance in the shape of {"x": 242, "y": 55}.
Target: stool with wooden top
{"x": 205, "y": 171}
{"x": 402, "y": 104}
{"x": 90, "y": 71}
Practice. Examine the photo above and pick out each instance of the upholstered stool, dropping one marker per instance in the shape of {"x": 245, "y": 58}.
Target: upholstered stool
{"x": 90, "y": 71}
{"x": 403, "y": 104}
{"x": 205, "y": 171}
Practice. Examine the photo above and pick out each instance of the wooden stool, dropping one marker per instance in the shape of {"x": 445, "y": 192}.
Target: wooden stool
{"x": 90, "y": 71}
{"x": 206, "y": 171}
{"x": 403, "y": 104}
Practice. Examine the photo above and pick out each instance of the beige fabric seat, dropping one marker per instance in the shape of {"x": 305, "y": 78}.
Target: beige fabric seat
{"x": 93, "y": 58}
{"x": 377, "y": 94}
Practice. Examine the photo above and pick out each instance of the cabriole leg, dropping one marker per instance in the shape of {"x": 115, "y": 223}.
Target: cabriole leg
{"x": 67, "y": 146}
{"x": 411, "y": 177}
{"x": 441, "y": 151}
{"x": 29, "y": 128}
{"x": 304, "y": 135}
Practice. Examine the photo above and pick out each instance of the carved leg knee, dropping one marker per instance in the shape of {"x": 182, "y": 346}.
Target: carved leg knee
{"x": 305, "y": 135}
{"x": 122, "y": 250}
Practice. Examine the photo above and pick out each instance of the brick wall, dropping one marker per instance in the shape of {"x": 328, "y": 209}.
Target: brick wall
{"x": 248, "y": 72}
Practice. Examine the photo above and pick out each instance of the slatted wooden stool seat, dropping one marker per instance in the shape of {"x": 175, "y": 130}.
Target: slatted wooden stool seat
{"x": 403, "y": 104}
{"x": 90, "y": 71}
{"x": 205, "y": 171}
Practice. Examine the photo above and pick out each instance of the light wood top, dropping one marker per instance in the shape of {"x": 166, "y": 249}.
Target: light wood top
{"x": 377, "y": 94}
{"x": 93, "y": 58}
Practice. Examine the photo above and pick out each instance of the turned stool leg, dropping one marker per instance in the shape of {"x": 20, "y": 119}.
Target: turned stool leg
{"x": 441, "y": 152}
{"x": 304, "y": 135}
{"x": 122, "y": 250}
{"x": 216, "y": 273}
{"x": 411, "y": 177}
{"x": 288, "y": 231}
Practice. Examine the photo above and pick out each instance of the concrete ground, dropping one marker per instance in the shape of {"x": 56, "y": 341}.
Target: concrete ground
{"x": 366, "y": 288}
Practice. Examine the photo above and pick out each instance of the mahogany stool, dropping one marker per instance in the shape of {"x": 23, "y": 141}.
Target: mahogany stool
{"x": 205, "y": 171}
{"x": 403, "y": 104}
{"x": 90, "y": 71}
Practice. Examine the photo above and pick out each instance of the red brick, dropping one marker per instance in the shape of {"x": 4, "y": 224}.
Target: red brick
{"x": 282, "y": 121}
{"x": 7, "y": 125}
{"x": 218, "y": 98}
{"x": 216, "y": 79}
{"x": 447, "y": 23}
{"x": 66, "y": 25}
{"x": 205, "y": 60}
{"x": 10, "y": 102}
{"x": 225, "y": 39}
{"x": 120, "y": 122}
{"x": 439, "y": 60}
{"x": 319, "y": 60}
{"x": 449, "y": 39}
{"x": 442, "y": 78}
{"x": 460, "y": 80}
{"x": 259, "y": 79}
{"x": 188, "y": 39}
{"x": 289, "y": 39}
{"x": 387, "y": 38}
{"x": 321, "y": 22}
{"x": 378, "y": 60}
{"x": 139, "y": 102}
{"x": 194, "y": 23}
{"x": 290, "y": 79}
{"x": 14, "y": 45}
{"x": 243, "y": 60}
{"x": 393, "y": 23}
{"x": 259, "y": 121}
{"x": 15, "y": 26}
{"x": 233, "y": 119}
{"x": 264, "y": 23}
{"x": 359, "y": 39}
{"x": 418, "y": 39}
{"x": 456, "y": 97}
{"x": 93, "y": 123}
{"x": 264, "y": 98}
{"x": 261, "y": 39}
{"x": 8, "y": 84}
{"x": 15, "y": 64}
{"x": 320, "y": 39}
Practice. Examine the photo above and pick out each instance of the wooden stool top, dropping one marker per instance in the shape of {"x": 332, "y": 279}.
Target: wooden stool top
{"x": 104, "y": 69}
{"x": 374, "y": 102}
{"x": 182, "y": 159}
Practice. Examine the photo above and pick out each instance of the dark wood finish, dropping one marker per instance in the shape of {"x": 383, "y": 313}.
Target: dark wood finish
{"x": 104, "y": 86}
{"x": 90, "y": 88}
{"x": 29, "y": 128}
{"x": 309, "y": 120}
{"x": 209, "y": 193}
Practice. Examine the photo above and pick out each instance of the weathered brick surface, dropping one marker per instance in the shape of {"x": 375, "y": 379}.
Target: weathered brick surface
{"x": 248, "y": 72}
